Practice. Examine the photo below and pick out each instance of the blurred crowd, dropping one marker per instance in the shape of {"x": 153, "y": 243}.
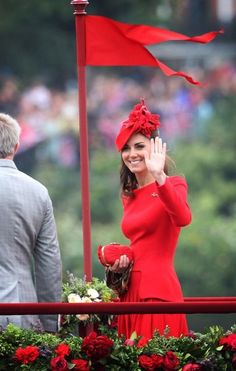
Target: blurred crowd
{"x": 49, "y": 117}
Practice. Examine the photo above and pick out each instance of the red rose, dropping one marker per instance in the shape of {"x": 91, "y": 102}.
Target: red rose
{"x": 80, "y": 365}
{"x": 113, "y": 323}
{"x": 232, "y": 342}
{"x": 62, "y": 350}
{"x": 158, "y": 360}
{"x": 143, "y": 341}
{"x": 192, "y": 335}
{"x": 27, "y": 355}
{"x": 234, "y": 361}
{"x": 59, "y": 364}
{"x": 224, "y": 341}
{"x": 146, "y": 362}
{"x": 170, "y": 361}
{"x": 192, "y": 367}
{"x": 229, "y": 341}
{"x": 96, "y": 347}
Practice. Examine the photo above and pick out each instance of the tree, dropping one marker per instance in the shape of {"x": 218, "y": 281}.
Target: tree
{"x": 38, "y": 40}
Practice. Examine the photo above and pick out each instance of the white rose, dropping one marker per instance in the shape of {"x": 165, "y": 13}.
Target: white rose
{"x": 74, "y": 298}
{"x": 84, "y": 317}
{"x": 85, "y": 299}
{"x": 93, "y": 293}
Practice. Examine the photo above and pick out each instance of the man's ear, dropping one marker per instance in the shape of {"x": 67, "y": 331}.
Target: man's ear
{"x": 16, "y": 147}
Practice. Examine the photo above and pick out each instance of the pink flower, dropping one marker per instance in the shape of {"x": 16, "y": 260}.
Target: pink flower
{"x": 129, "y": 342}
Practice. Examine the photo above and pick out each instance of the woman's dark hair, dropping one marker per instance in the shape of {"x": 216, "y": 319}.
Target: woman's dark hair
{"x": 128, "y": 180}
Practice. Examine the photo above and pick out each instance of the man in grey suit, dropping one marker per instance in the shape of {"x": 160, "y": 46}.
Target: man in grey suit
{"x": 30, "y": 262}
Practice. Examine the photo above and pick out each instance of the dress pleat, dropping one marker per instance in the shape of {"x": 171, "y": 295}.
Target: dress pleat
{"x": 146, "y": 324}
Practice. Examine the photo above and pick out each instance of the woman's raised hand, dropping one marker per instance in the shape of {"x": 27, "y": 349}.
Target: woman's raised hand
{"x": 155, "y": 160}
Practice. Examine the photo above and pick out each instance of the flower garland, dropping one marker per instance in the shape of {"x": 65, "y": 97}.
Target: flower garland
{"x": 102, "y": 350}
{"x": 38, "y": 351}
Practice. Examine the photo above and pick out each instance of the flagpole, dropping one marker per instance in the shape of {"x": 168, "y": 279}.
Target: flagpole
{"x": 80, "y": 14}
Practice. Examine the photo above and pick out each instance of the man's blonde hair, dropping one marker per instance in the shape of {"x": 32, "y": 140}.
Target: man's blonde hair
{"x": 9, "y": 134}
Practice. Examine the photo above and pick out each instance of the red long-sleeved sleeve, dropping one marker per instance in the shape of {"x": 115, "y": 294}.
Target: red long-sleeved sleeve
{"x": 173, "y": 194}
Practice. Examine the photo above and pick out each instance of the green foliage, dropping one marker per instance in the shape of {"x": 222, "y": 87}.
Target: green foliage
{"x": 126, "y": 10}
{"x": 207, "y": 249}
{"x": 43, "y": 35}
{"x": 14, "y": 337}
{"x": 104, "y": 175}
{"x": 38, "y": 33}
{"x": 210, "y": 169}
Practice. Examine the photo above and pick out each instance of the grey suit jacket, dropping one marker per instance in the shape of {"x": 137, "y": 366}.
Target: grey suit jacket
{"x": 30, "y": 262}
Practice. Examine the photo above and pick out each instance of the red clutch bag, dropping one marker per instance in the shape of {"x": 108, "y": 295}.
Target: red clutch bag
{"x": 108, "y": 254}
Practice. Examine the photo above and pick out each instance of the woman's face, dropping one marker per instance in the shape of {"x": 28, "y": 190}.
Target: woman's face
{"x": 133, "y": 153}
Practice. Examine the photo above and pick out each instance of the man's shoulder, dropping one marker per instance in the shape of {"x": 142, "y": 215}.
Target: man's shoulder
{"x": 32, "y": 181}
{"x": 20, "y": 178}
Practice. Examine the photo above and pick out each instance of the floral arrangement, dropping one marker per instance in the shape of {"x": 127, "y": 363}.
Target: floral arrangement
{"x": 77, "y": 290}
{"x": 22, "y": 349}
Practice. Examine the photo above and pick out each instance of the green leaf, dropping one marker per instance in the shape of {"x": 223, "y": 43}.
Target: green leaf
{"x": 133, "y": 335}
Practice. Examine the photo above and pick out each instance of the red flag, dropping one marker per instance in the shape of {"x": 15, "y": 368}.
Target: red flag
{"x": 112, "y": 43}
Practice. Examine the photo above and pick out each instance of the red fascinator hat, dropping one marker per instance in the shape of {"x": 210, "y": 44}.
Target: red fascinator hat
{"x": 140, "y": 120}
{"x": 108, "y": 254}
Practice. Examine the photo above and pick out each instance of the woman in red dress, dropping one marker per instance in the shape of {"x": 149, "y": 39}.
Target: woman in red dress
{"x": 155, "y": 208}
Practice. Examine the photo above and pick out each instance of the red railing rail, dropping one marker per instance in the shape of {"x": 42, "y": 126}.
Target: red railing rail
{"x": 190, "y": 305}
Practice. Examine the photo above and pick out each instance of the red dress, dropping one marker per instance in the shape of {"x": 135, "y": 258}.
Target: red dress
{"x": 152, "y": 220}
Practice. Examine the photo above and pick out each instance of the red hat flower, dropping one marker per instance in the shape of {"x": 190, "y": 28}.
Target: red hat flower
{"x": 140, "y": 120}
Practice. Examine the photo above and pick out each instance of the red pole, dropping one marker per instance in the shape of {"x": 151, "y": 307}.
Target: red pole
{"x": 80, "y": 13}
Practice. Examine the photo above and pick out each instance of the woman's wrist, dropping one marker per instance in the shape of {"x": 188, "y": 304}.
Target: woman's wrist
{"x": 160, "y": 178}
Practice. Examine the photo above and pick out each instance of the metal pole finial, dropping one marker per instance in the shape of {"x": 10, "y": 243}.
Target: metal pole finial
{"x": 79, "y": 6}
